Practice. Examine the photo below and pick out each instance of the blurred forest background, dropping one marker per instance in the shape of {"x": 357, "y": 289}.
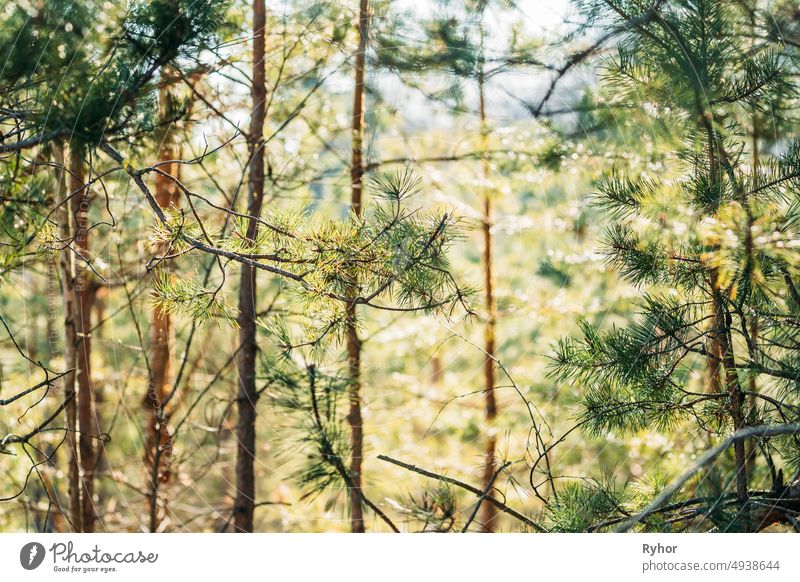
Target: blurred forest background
{"x": 383, "y": 265}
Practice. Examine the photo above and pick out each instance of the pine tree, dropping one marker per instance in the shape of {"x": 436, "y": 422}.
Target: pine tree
{"x": 247, "y": 395}
{"x": 455, "y": 48}
{"x": 707, "y": 241}
{"x": 392, "y": 251}
{"x": 173, "y": 113}
{"x": 357, "y": 170}
{"x": 89, "y": 86}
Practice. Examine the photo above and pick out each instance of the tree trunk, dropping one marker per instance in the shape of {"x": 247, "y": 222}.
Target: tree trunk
{"x": 354, "y": 417}
{"x": 723, "y": 338}
{"x": 83, "y": 293}
{"x": 247, "y": 395}
{"x": 158, "y": 446}
{"x": 67, "y": 266}
{"x": 488, "y": 511}
{"x": 737, "y": 401}
{"x": 52, "y": 456}
{"x": 714, "y": 364}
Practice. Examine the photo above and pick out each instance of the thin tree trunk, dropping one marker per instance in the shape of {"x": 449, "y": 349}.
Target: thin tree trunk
{"x": 488, "y": 511}
{"x": 714, "y": 363}
{"x": 53, "y": 280}
{"x": 158, "y": 447}
{"x": 737, "y": 400}
{"x": 50, "y": 474}
{"x": 722, "y": 337}
{"x": 84, "y": 293}
{"x": 67, "y": 266}
{"x": 354, "y": 416}
{"x": 244, "y": 503}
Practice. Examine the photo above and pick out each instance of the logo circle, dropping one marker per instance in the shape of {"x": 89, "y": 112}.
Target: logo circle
{"x": 31, "y": 555}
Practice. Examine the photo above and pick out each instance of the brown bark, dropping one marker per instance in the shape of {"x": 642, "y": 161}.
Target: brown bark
{"x": 488, "y": 511}
{"x": 158, "y": 449}
{"x": 67, "y": 267}
{"x": 714, "y": 361}
{"x": 167, "y": 196}
{"x": 357, "y": 169}
{"x": 81, "y": 318}
{"x": 714, "y": 364}
{"x": 355, "y": 421}
{"x": 52, "y": 287}
{"x": 244, "y": 503}
{"x": 723, "y": 325}
{"x": 50, "y": 474}
{"x": 723, "y": 338}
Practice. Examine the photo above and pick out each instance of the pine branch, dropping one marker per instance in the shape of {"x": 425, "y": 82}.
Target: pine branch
{"x": 707, "y": 458}
{"x": 496, "y": 502}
